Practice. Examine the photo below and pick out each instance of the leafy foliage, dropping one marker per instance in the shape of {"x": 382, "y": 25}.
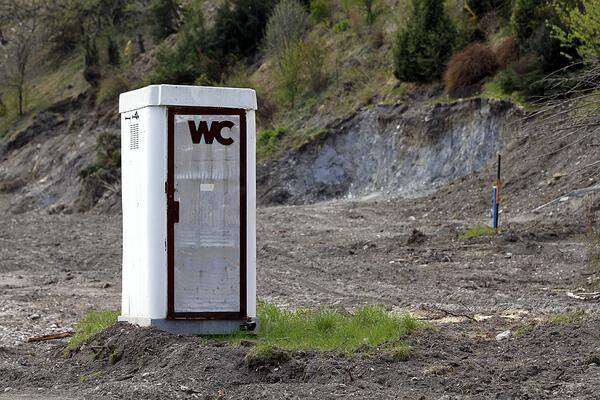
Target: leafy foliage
{"x": 239, "y": 27}
{"x": 187, "y": 60}
{"x": 581, "y": 29}
{"x": 163, "y": 18}
{"x": 322, "y": 10}
{"x": 268, "y": 140}
{"x": 422, "y": 49}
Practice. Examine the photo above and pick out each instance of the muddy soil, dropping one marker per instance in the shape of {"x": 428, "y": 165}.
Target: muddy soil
{"x": 405, "y": 254}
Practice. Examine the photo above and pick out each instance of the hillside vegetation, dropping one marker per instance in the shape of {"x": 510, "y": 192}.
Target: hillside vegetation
{"x": 311, "y": 62}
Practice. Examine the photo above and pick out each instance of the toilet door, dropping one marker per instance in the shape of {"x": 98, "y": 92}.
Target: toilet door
{"x": 206, "y": 196}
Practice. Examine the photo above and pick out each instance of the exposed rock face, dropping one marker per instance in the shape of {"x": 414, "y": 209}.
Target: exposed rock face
{"x": 390, "y": 149}
{"x": 40, "y": 163}
{"x": 402, "y": 150}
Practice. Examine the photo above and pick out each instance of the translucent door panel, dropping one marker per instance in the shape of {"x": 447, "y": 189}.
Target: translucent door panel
{"x": 207, "y": 236}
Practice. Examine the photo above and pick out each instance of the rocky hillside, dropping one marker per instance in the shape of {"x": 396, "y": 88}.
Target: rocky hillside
{"x": 402, "y": 150}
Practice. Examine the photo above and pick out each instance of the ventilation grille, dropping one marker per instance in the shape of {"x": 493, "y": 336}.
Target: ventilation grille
{"x": 134, "y": 136}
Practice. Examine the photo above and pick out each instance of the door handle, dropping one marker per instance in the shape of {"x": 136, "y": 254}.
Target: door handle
{"x": 175, "y": 212}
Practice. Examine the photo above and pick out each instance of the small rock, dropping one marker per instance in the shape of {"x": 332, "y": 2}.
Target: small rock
{"x": 51, "y": 281}
{"x": 504, "y": 335}
{"x": 8, "y": 389}
{"x": 508, "y": 255}
{"x": 34, "y": 317}
{"x": 106, "y": 285}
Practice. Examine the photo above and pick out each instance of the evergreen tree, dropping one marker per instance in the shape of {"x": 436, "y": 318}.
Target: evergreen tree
{"x": 163, "y": 18}
{"x": 423, "y": 48}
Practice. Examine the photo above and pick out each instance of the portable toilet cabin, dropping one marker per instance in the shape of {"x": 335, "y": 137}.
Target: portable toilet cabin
{"x": 189, "y": 208}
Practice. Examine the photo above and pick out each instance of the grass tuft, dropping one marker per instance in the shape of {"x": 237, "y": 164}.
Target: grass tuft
{"x": 328, "y": 330}
{"x": 568, "y": 318}
{"x": 477, "y": 231}
{"x": 92, "y": 323}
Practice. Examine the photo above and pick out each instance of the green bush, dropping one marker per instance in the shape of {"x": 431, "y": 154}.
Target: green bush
{"x": 527, "y": 17}
{"x": 369, "y": 8}
{"x": 423, "y": 48}
{"x": 321, "y": 10}
{"x": 188, "y": 60}
{"x": 108, "y": 157}
{"x": 579, "y": 29}
{"x": 288, "y": 75}
{"x": 286, "y": 27}
{"x": 268, "y": 140}
{"x": 524, "y": 76}
{"x": 112, "y": 50}
{"x": 162, "y": 18}
{"x": 341, "y": 26}
{"x": 239, "y": 27}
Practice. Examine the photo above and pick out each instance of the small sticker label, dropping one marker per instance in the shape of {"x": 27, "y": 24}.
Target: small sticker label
{"x": 207, "y": 187}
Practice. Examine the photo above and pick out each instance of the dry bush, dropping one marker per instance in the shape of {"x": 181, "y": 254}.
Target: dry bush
{"x": 467, "y": 68}
{"x": 507, "y": 51}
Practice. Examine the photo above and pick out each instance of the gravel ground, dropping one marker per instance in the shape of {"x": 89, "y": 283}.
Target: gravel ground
{"x": 403, "y": 254}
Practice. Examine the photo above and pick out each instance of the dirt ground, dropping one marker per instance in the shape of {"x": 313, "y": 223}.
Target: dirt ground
{"x": 54, "y": 268}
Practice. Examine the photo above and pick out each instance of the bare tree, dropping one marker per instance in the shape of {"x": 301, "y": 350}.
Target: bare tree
{"x": 19, "y": 42}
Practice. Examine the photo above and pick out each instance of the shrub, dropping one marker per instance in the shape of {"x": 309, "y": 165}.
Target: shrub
{"x": 467, "y": 68}
{"x": 112, "y": 50}
{"x": 91, "y": 60}
{"x": 188, "y": 59}
{"x": 110, "y": 88}
{"x": 506, "y": 51}
{"x": 162, "y": 18}
{"x": 524, "y": 76}
{"x": 288, "y": 75}
{"x": 321, "y": 10}
{"x": 580, "y": 29}
{"x": 527, "y": 17}
{"x": 341, "y": 26}
{"x": 239, "y": 27}
{"x": 314, "y": 65}
{"x": 422, "y": 49}
{"x": 369, "y": 8}
{"x": 268, "y": 140}
{"x": 287, "y": 25}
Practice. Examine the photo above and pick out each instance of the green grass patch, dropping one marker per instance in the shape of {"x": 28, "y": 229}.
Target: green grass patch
{"x": 477, "y": 231}
{"x": 268, "y": 141}
{"x": 568, "y": 318}
{"x": 92, "y": 323}
{"x": 326, "y": 330}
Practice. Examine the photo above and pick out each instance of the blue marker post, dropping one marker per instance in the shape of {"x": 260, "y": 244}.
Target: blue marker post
{"x": 496, "y": 198}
